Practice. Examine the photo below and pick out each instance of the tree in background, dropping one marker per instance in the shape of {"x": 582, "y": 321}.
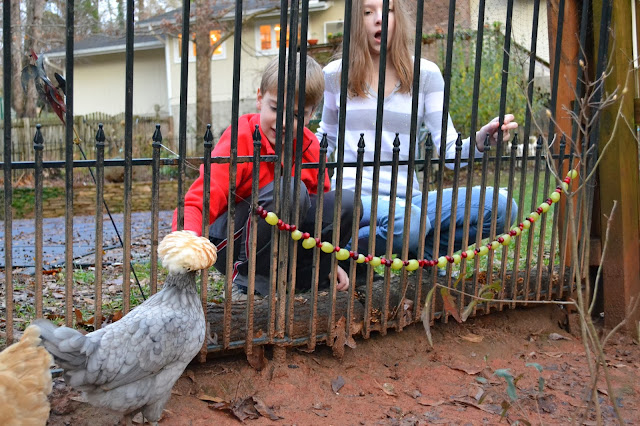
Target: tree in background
{"x": 41, "y": 25}
{"x": 211, "y": 27}
{"x": 462, "y": 77}
{"x": 209, "y": 14}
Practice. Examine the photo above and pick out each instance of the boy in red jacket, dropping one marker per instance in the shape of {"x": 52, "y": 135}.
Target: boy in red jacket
{"x": 266, "y": 119}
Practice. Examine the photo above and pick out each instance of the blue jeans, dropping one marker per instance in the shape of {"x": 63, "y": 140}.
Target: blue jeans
{"x": 399, "y": 233}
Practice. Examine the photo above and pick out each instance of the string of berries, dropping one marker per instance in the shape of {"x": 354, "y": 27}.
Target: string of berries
{"x": 309, "y": 242}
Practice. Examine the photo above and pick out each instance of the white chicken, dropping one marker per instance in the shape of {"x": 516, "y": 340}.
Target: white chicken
{"x": 131, "y": 365}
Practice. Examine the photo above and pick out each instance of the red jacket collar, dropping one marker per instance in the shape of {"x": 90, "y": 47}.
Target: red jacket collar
{"x": 268, "y": 148}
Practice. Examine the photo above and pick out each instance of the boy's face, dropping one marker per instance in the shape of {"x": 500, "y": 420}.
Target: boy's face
{"x": 267, "y": 105}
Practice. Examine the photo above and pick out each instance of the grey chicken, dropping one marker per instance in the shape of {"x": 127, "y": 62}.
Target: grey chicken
{"x": 131, "y": 365}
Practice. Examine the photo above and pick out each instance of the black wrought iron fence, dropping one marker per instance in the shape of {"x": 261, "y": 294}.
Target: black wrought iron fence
{"x": 523, "y": 260}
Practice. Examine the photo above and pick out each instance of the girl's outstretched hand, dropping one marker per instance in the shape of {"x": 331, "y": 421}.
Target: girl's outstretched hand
{"x": 491, "y": 129}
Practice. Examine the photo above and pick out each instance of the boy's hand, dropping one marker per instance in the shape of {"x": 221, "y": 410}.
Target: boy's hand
{"x": 491, "y": 129}
{"x": 343, "y": 280}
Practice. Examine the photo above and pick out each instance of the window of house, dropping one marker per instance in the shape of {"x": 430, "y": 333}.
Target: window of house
{"x": 332, "y": 27}
{"x": 268, "y": 38}
{"x": 219, "y": 53}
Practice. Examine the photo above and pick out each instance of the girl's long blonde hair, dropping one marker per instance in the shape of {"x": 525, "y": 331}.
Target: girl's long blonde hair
{"x": 398, "y": 53}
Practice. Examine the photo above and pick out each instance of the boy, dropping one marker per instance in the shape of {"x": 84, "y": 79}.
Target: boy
{"x": 266, "y": 119}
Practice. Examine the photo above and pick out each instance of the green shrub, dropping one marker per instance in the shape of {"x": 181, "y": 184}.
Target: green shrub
{"x": 462, "y": 78}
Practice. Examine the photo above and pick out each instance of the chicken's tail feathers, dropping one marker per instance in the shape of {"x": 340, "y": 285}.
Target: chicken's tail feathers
{"x": 68, "y": 346}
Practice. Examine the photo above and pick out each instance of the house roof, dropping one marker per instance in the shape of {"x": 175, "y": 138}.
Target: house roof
{"x": 249, "y": 6}
{"x": 103, "y": 44}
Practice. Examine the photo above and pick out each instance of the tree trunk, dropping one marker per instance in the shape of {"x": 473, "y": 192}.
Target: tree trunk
{"x": 32, "y": 40}
{"x": 203, "y": 65}
{"x": 302, "y": 310}
{"x": 17, "y": 94}
{"x": 406, "y": 312}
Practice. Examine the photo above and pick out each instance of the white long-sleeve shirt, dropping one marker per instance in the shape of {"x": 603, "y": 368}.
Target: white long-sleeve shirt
{"x": 361, "y": 118}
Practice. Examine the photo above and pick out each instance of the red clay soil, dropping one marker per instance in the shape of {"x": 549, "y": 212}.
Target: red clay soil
{"x": 398, "y": 379}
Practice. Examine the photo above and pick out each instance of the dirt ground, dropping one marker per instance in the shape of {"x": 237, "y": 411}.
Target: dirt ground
{"x": 398, "y": 380}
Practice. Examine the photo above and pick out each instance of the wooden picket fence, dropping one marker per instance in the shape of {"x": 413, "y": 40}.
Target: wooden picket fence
{"x": 53, "y": 131}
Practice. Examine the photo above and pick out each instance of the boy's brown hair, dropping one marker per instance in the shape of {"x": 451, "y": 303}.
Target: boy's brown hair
{"x": 314, "y": 83}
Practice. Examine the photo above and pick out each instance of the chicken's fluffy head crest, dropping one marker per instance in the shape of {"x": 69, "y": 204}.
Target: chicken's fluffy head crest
{"x": 181, "y": 252}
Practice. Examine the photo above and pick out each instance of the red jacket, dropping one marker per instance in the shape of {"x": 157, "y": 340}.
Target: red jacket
{"x": 220, "y": 173}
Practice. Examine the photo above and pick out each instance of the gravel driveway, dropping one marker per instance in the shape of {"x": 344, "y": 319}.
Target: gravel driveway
{"x": 23, "y": 240}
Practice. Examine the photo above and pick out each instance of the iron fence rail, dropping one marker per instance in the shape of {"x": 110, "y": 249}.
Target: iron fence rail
{"x": 283, "y": 317}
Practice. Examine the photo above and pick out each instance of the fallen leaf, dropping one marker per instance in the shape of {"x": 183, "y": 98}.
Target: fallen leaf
{"x": 557, "y": 336}
{"x": 449, "y": 304}
{"x": 388, "y": 389}
{"x": 220, "y": 406}
{"x": 320, "y": 413}
{"x": 320, "y": 406}
{"x": 552, "y": 354}
{"x": 576, "y": 404}
{"x": 264, "y": 410}
{"x": 474, "y": 338}
{"x": 546, "y": 404}
{"x": 470, "y": 370}
{"x": 468, "y": 310}
{"x": 426, "y": 315}
{"x": 415, "y": 394}
{"x": 429, "y": 402}
{"x": 337, "y": 384}
{"x": 245, "y": 409}
{"x": 487, "y": 408}
{"x": 79, "y": 319}
{"x": 204, "y": 397}
{"x": 54, "y": 317}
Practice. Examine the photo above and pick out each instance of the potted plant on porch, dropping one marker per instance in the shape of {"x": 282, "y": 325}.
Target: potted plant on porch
{"x": 335, "y": 39}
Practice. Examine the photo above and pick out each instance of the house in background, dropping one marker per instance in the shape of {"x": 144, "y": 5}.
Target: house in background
{"x": 99, "y": 68}
{"x": 100, "y": 61}
{"x": 99, "y": 75}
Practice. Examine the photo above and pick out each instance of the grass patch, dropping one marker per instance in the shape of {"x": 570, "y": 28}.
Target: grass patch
{"x": 23, "y": 200}
{"x": 525, "y": 210}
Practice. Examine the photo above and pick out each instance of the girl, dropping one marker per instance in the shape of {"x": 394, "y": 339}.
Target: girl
{"x": 362, "y": 90}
